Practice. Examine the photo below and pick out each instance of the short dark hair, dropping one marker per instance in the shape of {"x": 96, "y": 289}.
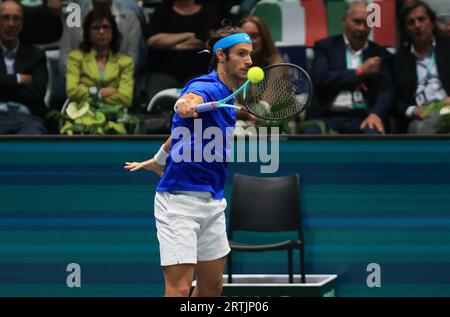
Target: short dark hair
{"x": 86, "y": 44}
{"x": 405, "y": 11}
{"x": 217, "y": 35}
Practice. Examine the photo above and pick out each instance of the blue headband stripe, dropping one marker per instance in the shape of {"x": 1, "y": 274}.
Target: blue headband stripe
{"x": 231, "y": 40}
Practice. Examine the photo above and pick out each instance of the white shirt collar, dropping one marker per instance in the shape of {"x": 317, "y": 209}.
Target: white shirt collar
{"x": 5, "y": 49}
{"x": 413, "y": 48}
{"x": 347, "y": 44}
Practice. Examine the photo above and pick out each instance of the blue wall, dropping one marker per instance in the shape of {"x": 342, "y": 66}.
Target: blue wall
{"x": 368, "y": 200}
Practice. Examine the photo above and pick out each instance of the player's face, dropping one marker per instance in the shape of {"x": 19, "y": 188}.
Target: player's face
{"x": 239, "y": 61}
{"x": 419, "y": 26}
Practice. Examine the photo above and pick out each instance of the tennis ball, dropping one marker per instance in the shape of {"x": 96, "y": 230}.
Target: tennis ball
{"x": 255, "y": 74}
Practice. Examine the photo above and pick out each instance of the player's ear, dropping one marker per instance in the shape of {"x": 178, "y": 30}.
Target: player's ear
{"x": 220, "y": 55}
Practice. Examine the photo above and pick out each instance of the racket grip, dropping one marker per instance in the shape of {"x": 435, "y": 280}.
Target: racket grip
{"x": 206, "y": 106}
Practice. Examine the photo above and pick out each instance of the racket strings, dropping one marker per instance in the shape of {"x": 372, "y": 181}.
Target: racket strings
{"x": 283, "y": 93}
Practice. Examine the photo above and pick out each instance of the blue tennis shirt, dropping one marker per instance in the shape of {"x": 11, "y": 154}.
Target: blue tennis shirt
{"x": 201, "y": 175}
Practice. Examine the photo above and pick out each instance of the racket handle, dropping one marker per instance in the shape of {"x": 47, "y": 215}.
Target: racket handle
{"x": 203, "y": 107}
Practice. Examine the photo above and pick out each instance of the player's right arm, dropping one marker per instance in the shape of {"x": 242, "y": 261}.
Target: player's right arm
{"x": 155, "y": 164}
{"x": 186, "y": 105}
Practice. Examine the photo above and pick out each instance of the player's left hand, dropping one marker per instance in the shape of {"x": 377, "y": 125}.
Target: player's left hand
{"x": 150, "y": 165}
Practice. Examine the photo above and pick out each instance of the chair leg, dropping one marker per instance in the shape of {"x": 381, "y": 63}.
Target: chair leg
{"x": 230, "y": 279}
{"x": 290, "y": 266}
{"x": 302, "y": 263}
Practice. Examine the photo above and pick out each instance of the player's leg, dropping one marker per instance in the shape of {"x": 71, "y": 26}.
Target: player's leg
{"x": 209, "y": 278}
{"x": 177, "y": 236}
{"x": 178, "y": 279}
{"x": 212, "y": 248}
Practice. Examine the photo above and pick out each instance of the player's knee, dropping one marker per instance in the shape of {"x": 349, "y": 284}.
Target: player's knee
{"x": 180, "y": 290}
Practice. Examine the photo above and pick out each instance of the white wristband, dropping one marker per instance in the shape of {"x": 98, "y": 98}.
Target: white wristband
{"x": 161, "y": 156}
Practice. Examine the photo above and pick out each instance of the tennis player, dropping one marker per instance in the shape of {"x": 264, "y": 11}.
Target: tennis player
{"x": 189, "y": 201}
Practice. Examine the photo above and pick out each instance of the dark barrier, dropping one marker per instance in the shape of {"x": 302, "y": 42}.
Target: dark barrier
{"x": 376, "y": 212}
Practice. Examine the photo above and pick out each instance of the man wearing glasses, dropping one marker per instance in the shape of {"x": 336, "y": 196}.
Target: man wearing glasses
{"x": 23, "y": 77}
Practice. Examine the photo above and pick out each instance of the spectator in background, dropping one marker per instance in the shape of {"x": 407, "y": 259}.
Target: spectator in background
{"x": 23, "y": 76}
{"x": 442, "y": 9}
{"x": 98, "y": 70}
{"x": 42, "y": 24}
{"x": 127, "y": 23}
{"x": 421, "y": 69}
{"x": 264, "y": 51}
{"x": 352, "y": 79}
{"x": 176, "y": 34}
{"x": 443, "y": 24}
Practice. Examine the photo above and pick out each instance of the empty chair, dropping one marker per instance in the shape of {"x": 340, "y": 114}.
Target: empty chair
{"x": 266, "y": 204}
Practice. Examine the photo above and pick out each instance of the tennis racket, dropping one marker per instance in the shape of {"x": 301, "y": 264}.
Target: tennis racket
{"x": 285, "y": 91}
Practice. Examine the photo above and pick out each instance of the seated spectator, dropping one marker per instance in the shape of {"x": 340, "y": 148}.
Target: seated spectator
{"x": 42, "y": 24}
{"x": 264, "y": 51}
{"x": 23, "y": 77}
{"x": 176, "y": 34}
{"x": 443, "y": 24}
{"x": 98, "y": 71}
{"x": 127, "y": 23}
{"x": 421, "y": 69}
{"x": 352, "y": 79}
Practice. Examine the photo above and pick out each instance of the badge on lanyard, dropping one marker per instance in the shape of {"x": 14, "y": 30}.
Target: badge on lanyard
{"x": 421, "y": 99}
{"x": 425, "y": 96}
{"x": 358, "y": 100}
{"x": 357, "y": 96}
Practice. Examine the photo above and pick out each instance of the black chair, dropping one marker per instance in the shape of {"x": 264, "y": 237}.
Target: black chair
{"x": 266, "y": 204}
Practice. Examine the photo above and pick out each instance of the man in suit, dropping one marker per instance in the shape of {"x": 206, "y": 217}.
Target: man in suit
{"x": 421, "y": 69}
{"x": 352, "y": 79}
{"x": 23, "y": 77}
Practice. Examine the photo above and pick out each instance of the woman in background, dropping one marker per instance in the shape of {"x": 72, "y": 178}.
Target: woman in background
{"x": 97, "y": 71}
{"x": 264, "y": 52}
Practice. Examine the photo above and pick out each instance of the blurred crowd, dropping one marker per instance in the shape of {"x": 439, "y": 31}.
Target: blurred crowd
{"x": 119, "y": 57}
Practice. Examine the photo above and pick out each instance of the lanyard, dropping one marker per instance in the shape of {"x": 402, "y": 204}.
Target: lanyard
{"x": 430, "y": 65}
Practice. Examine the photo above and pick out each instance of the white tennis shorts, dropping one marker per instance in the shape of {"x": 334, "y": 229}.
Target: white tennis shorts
{"x": 190, "y": 227}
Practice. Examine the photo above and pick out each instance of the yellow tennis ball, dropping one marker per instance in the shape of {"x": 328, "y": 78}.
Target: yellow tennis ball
{"x": 255, "y": 74}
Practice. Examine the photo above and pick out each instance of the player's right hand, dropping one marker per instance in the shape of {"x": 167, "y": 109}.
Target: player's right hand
{"x": 149, "y": 165}
{"x": 186, "y": 108}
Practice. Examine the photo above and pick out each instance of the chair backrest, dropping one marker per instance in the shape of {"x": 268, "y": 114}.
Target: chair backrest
{"x": 285, "y": 19}
{"x": 270, "y": 12}
{"x": 165, "y": 98}
{"x": 336, "y": 10}
{"x": 316, "y": 23}
{"x": 265, "y": 204}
